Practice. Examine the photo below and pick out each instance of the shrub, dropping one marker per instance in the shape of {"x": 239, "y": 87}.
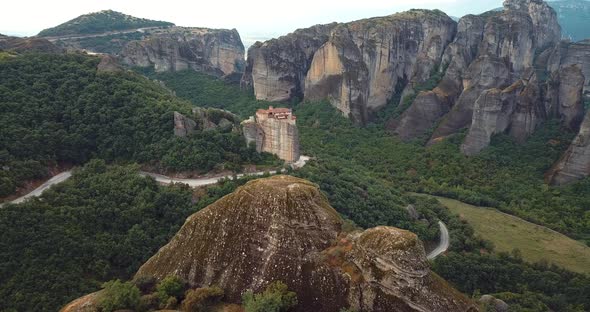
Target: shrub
{"x": 199, "y": 300}
{"x": 118, "y": 295}
{"x": 171, "y": 286}
{"x": 275, "y": 298}
{"x": 145, "y": 283}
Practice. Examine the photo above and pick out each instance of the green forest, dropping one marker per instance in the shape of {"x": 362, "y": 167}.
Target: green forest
{"x": 60, "y": 109}
{"x": 373, "y": 170}
{"x": 99, "y": 22}
{"x": 106, "y": 220}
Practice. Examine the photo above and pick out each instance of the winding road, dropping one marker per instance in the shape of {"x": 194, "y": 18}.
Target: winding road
{"x": 444, "y": 232}
{"x": 443, "y": 244}
{"x": 158, "y": 177}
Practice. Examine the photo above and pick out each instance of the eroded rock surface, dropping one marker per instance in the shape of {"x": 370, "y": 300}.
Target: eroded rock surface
{"x": 575, "y": 162}
{"x": 355, "y": 65}
{"x": 283, "y": 228}
{"x": 214, "y": 51}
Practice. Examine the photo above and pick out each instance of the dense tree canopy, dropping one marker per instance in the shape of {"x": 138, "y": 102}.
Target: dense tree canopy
{"x": 59, "y": 108}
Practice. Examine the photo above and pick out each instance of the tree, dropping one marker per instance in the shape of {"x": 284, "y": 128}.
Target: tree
{"x": 171, "y": 286}
{"x": 276, "y": 298}
{"x": 117, "y": 295}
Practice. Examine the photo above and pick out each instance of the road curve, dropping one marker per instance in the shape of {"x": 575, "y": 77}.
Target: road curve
{"x": 443, "y": 244}
{"x": 158, "y": 177}
{"x": 38, "y": 191}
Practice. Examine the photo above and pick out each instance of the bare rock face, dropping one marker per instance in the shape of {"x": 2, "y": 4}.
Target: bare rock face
{"x": 429, "y": 107}
{"x": 571, "y": 105}
{"x": 505, "y": 54}
{"x": 183, "y": 125}
{"x": 575, "y": 162}
{"x": 276, "y": 69}
{"x": 214, "y": 51}
{"x": 355, "y": 65}
{"x": 283, "y": 228}
{"x": 109, "y": 63}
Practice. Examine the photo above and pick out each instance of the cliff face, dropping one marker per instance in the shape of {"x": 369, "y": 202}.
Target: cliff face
{"x": 276, "y": 69}
{"x": 355, "y": 65}
{"x": 283, "y": 228}
{"x": 505, "y": 55}
{"x": 215, "y": 51}
{"x": 575, "y": 162}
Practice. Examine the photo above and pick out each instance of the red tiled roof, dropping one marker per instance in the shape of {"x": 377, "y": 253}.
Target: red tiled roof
{"x": 271, "y": 110}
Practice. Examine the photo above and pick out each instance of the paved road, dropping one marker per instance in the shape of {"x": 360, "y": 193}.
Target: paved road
{"x": 198, "y": 182}
{"x": 38, "y": 191}
{"x": 160, "y": 178}
{"x": 444, "y": 242}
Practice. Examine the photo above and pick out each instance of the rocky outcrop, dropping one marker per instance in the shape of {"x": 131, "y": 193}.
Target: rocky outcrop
{"x": 493, "y": 304}
{"x": 22, "y": 45}
{"x": 203, "y": 119}
{"x": 283, "y": 228}
{"x": 575, "y": 162}
{"x": 276, "y": 69}
{"x": 109, "y": 63}
{"x": 183, "y": 125}
{"x": 355, "y": 65}
{"x": 429, "y": 107}
{"x": 274, "y": 131}
{"x": 215, "y": 51}
{"x": 505, "y": 55}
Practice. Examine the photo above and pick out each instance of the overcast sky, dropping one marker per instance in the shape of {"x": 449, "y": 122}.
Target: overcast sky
{"x": 253, "y": 18}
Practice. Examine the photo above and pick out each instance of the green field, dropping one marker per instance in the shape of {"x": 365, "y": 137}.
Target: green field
{"x": 535, "y": 242}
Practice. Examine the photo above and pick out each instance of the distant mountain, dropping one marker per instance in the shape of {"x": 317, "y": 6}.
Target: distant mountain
{"x": 100, "y": 22}
{"x": 574, "y": 18}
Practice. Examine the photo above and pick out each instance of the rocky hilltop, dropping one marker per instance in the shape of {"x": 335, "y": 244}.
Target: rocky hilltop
{"x": 100, "y": 22}
{"x": 283, "y": 228}
{"x": 356, "y": 65}
{"x": 215, "y": 51}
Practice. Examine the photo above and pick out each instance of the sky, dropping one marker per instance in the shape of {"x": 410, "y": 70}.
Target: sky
{"x": 254, "y": 19}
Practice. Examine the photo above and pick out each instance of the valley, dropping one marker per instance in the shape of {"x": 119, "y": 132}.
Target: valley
{"x": 187, "y": 191}
{"x": 535, "y": 243}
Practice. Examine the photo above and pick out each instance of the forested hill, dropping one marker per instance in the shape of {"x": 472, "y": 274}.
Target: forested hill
{"x": 100, "y": 22}
{"x": 61, "y": 109}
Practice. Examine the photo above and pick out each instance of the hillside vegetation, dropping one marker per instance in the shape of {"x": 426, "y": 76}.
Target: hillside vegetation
{"x": 60, "y": 109}
{"x": 365, "y": 172}
{"x": 534, "y": 242}
{"x": 100, "y": 22}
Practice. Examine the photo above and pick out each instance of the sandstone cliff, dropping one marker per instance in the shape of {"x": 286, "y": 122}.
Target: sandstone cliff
{"x": 215, "y": 51}
{"x": 283, "y": 228}
{"x": 355, "y": 65}
{"x": 575, "y": 162}
{"x": 276, "y": 69}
